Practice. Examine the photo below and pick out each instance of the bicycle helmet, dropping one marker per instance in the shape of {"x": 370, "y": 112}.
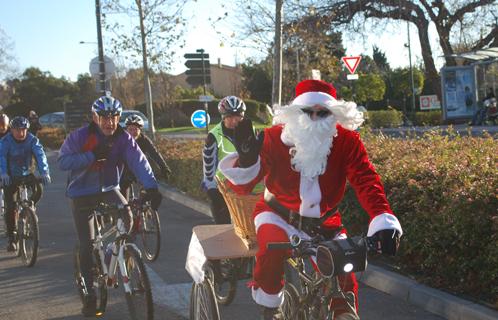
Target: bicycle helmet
{"x": 135, "y": 120}
{"x": 19, "y": 123}
{"x": 4, "y": 118}
{"x": 107, "y": 106}
{"x": 231, "y": 105}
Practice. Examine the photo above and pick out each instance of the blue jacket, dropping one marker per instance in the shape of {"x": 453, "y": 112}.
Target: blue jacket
{"x": 87, "y": 176}
{"x": 16, "y": 156}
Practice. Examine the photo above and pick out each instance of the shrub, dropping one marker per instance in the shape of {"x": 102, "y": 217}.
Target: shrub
{"x": 385, "y": 118}
{"x": 442, "y": 188}
{"x": 51, "y": 138}
{"x": 428, "y": 118}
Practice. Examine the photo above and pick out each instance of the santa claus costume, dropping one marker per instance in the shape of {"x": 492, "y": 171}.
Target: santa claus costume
{"x": 305, "y": 160}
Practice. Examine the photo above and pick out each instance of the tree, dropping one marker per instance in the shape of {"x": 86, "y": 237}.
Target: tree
{"x": 257, "y": 80}
{"x": 446, "y": 16}
{"x": 7, "y": 60}
{"x": 369, "y": 87}
{"x": 379, "y": 57}
{"x": 401, "y": 83}
{"x": 40, "y": 91}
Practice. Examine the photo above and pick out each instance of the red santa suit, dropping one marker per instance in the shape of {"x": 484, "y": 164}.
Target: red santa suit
{"x": 310, "y": 197}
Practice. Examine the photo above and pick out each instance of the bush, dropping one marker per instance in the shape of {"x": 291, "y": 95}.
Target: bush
{"x": 385, "y": 118}
{"x": 428, "y": 118}
{"x": 51, "y": 138}
{"x": 442, "y": 188}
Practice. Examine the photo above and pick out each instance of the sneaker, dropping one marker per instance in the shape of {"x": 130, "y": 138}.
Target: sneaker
{"x": 12, "y": 246}
{"x": 89, "y": 305}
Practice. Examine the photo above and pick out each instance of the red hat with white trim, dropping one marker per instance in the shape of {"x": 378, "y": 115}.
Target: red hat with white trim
{"x": 312, "y": 92}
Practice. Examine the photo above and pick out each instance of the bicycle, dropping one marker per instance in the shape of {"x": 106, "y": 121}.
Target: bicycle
{"x": 26, "y": 220}
{"x": 120, "y": 254}
{"x": 308, "y": 291}
{"x": 146, "y": 223}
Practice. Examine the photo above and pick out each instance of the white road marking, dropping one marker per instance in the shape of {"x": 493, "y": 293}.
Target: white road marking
{"x": 175, "y": 297}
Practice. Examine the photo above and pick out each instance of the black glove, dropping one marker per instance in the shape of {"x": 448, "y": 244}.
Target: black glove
{"x": 154, "y": 196}
{"x": 246, "y": 143}
{"x": 102, "y": 150}
{"x": 386, "y": 241}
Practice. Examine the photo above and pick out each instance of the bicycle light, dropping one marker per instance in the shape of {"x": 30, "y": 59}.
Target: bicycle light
{"x": 335, "y": 257}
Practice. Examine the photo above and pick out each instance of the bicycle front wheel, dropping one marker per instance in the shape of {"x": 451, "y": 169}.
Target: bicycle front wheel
{"x": 28, "y": 236}
{"x": 203, "y": 304}
{"x": 150, "y": 231}
{"x": 139, "y": 299}
{"x": 225, "y": 273}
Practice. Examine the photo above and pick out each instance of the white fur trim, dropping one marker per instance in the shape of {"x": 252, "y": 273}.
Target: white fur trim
{"x": 309, "y": 191}
{"x": 384, "y": 221}
{"x": 313, "y": 98}
{"x": 268, "y": 300}
{"x": 268, "y": 217}
{"x": 238, "y": 175}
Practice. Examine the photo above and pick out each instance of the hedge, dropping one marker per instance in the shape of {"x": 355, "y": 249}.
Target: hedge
{"x": 384, "y": 118}
{"x": 428, "y": 118}
{"x": 442, "y": 188}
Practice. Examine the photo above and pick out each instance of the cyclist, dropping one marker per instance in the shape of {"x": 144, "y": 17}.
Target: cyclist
{"x": 134, "y": 124}
{"x": 96, "y": 155}
{"x": 219, "y": 143}
{"x": 16, "y": 153}
{"x": 4, "y": 125}
{"x": 305, "y": 160}
{"x": 34, "y": 123}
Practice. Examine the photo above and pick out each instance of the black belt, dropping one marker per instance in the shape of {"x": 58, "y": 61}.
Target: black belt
{"x": 307, "y": 224}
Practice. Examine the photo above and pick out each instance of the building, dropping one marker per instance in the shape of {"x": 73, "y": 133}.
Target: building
{"x": 225, "y": 80}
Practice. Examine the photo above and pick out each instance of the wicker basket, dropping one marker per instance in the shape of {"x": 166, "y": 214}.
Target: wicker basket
{"x": 241, "y": 208}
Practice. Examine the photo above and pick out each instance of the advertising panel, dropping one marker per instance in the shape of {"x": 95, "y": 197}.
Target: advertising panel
{"x": 459, "y": 92}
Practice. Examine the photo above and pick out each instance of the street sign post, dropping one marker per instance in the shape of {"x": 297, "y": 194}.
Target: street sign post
{"x": 199, "y": 119}
{"x": 199, "y": 74}
{"x": 205, "y": 98}
{"x": 352, "y": 63}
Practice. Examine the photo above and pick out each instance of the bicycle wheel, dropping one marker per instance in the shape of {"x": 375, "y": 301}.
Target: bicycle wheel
{"x": 203, "y": 304}
{"x": 99, "y": 284}
{"x": 225, "y": 274}
{"x": 290, "y": 307}
{"x": 139, "y": 300}
{"x": 150, "y": 231}
{"x": 27, "y": 228}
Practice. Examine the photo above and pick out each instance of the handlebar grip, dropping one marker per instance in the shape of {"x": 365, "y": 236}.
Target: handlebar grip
{"x": 278, "y": 245}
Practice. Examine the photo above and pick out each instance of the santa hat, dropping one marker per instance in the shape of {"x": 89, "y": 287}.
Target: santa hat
{"x": 311, "y": 92}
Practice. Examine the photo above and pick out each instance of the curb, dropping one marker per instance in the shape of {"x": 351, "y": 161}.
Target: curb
{"x": 435, "y": 301}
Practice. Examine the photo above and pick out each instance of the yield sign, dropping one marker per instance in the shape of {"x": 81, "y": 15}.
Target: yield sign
{"x": 351, "y": 63}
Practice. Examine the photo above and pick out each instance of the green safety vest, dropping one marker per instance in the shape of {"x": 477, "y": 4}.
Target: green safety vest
{"x": 225, "y": 147}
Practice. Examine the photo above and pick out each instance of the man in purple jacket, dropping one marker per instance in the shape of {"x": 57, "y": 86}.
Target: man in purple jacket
{"x": 95, "y": 155}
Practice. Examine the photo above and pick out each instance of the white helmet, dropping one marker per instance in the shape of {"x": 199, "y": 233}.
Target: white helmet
{"x": 134, "y": 120}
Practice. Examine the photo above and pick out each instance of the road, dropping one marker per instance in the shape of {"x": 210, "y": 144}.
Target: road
{"x": 47, "y": 291}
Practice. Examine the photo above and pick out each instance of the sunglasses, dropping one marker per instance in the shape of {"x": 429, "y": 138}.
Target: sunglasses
{"x": 319, "y": 113}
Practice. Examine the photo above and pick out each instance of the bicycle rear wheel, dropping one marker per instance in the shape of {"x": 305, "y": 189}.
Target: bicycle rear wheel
{"x": 28, "y": 236}
{"x": 150, "y": 231}
{"x": 203, "y": 304}
{"x": 99, "y": 284}
{"x": 290, "y": 307}
{"x": 139, "y": 300}
{"x": 225, "y": 273}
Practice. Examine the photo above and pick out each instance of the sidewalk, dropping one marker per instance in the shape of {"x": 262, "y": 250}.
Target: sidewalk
{"x": 435, "y": 301}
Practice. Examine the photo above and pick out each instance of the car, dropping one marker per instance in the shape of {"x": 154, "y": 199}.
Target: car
{"x": 126, "y": 113}
{"x": 53, "y": 120}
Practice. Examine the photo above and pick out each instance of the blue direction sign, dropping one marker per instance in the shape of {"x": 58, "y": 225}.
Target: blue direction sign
{"x": 198, "y": 119}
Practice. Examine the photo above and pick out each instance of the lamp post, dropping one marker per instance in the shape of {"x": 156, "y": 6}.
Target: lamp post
{"x": 101, "y": 49}
{"x": 411, "y": 69}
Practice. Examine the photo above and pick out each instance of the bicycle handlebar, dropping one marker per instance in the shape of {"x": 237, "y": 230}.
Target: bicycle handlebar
{"x": 25, "y": 180}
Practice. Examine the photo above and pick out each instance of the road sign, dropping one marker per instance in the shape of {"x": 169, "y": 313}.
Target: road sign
{"x": 198, "y": 119}
{"x": 351, "y": 63}
{"x": 110, "y": 68}
{"x": 205, "y": 98}
{"x": 430, "y": 102}
{"x": 352, "y": 77}
{"x": 197, "y": 64}
{"x": 196, "y": 56}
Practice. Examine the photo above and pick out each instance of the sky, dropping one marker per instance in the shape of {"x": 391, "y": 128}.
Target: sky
{"x": 46, "y": 35}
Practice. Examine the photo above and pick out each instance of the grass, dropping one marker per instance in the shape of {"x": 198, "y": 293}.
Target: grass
{"x": 192, "y": 130}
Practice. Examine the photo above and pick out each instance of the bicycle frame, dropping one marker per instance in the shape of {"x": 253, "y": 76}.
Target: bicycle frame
{"x": 118, "y": 246}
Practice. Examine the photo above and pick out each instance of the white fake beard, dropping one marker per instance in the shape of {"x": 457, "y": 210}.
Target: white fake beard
{"x": 310, "y": 140}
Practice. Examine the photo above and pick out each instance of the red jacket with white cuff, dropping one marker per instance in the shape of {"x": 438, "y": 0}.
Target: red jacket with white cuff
{"x": 347, "y": 160}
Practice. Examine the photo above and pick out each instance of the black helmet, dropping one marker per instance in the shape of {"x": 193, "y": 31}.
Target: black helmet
{"x": 135, "y": 120}
{"x": 231, "y": 105}
{"x": 19, "y": 123}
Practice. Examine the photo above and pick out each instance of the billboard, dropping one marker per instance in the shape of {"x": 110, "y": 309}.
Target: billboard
{"x": 459, "y": 92}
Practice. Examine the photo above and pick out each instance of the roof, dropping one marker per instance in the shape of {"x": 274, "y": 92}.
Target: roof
{"x": 490, "y": 54}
